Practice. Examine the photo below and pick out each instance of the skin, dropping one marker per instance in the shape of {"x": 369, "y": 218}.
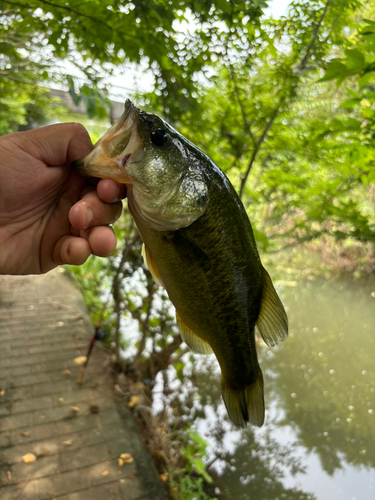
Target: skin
{"x": 50, "y": 214}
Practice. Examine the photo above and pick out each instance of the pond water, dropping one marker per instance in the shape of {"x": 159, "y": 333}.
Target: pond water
{"x": 318, "y": 441}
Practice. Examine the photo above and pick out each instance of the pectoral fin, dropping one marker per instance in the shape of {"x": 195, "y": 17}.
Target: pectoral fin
{"x": 151, "y": 266}
{"x": 272, "y": 321}
{"x": 196, "y": 344}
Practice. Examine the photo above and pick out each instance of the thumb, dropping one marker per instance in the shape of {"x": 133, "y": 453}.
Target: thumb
{"x": 55, "y": 144}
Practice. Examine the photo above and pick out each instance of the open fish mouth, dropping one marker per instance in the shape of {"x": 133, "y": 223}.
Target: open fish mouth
{"x": 113, "y": 151}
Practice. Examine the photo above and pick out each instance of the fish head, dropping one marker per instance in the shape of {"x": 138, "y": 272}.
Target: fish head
{"x": 166, "y": 188}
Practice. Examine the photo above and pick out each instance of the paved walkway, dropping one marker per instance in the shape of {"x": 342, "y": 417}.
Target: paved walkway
{"x": 76, "y": 433}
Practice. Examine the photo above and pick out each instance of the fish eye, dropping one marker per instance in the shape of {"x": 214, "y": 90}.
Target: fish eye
{"x": 159, "y": 137}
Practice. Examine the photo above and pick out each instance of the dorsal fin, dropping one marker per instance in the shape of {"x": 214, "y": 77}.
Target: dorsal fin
{"x": 196, "y": 344}
{"x": 272, "y": 321}
{"x": 151, "y": 266}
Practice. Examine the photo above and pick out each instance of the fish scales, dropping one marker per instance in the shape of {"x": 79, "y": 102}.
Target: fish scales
{"x": 199, "y": 244}
{"x": 233, "y": 297}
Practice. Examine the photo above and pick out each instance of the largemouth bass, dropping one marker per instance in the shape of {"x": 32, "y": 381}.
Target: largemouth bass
{"x": 199, "y": 245}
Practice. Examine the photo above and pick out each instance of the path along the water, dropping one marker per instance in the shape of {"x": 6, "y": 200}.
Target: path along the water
{"x": 74, "y": 433}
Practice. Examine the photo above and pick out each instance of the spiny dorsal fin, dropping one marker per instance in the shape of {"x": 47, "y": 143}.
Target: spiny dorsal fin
{"x": 151, "y": 266}
{"x": 272, "y": 321}
{"x": 196, "y": 344}
{"x": 245, "y": 405}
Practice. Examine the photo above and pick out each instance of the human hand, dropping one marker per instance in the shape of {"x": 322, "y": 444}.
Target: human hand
{"x": 49, "y": 214}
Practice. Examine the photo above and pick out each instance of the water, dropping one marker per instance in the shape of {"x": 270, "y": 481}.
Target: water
{"x": 318, "y": 441}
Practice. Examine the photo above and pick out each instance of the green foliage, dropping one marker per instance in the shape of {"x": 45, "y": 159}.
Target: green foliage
{"x": 260, "y": 97}
{"x": 194, "y": 450}
{"x": 191, "y": 489}
{"x": 98, "y": 35}
{"x": 190, "y": 486}
{"x": 96, "y": 102}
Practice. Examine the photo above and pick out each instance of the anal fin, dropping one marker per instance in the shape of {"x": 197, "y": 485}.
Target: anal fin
{"x": 195, "y": 343}
{"x": 151, "y": 266}
{"x": 272, "y": 321}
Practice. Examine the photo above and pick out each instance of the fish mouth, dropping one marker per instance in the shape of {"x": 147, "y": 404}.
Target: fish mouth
{"x": 112, "y": 152}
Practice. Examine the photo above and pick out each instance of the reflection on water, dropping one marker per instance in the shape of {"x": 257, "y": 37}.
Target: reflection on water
{"x": 319, "y": 435}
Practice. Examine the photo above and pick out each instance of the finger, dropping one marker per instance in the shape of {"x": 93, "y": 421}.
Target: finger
{"x": 102, "y": 240}
{"x": 110, "y": 191}
{"x": 74, "y": 231}
{"x": 71, "y": 250}
{"x": 56, "y": 144}
{"x": 91, "y": 211}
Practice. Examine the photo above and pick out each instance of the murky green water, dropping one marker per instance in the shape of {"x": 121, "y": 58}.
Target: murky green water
{"x": 318, "y": 441}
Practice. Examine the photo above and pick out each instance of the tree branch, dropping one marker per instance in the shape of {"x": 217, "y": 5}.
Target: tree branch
{"x": 116, "y": 290}
{"x": 304, "y": 61}
{"x": 257, "y": 148}
{"x": 145, "y": 329}
{"x": 277, "y": 110}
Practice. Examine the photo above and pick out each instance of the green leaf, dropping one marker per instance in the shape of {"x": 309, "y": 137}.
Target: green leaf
{"x": 350, "y": 103}
{"x": 363, "y": 80}
{"x": 355, "y": 57}
{"x": 354, "y": 94}
{"x": 335, "y": 69}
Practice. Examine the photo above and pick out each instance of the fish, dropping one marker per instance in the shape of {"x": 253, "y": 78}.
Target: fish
{"x": 198, "y": 243}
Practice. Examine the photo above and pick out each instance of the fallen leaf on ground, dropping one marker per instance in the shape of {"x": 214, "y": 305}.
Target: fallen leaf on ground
{"x": 130, "y": 476}
{"x": 105, "y": 473}
{"x": 26, "y": 434}
{"x": 164, "y": 477}
{"x": 67, "y": 373}
{"x": 126, "y": 458}
{"x": 75, "y": 409}
{"x": 2, "y": 392}
{"x": 60, "y": 400}
{"x": 134, "y": 400}
{"x": 80, "y": 360}
{"x": 9, "y": 475}
{"x": 122, "y": 481}
{"x": 120, "y": 462}
{"x": 68, "y": 442}
{"x": 94, "y": 408}
{"x": 29, "y": 458}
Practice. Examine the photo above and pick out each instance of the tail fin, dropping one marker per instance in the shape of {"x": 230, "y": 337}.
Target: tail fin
{"x": 246, "y": 405}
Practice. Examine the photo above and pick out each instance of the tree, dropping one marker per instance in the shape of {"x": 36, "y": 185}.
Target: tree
{"x": 258, "y": 95}
{"x": 98, "y": 35}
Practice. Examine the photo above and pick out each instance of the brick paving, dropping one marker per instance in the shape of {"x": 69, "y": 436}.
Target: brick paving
{"x": 44, "y": 326}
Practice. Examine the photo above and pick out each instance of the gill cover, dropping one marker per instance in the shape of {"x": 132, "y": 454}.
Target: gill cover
{"x": 165, "y": 190}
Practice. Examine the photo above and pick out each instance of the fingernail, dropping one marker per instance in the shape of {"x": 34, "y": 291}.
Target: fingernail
{"x": 89, "y": 217}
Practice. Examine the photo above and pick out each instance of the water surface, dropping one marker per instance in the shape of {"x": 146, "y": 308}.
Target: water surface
{"x": 318, "y": 441}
